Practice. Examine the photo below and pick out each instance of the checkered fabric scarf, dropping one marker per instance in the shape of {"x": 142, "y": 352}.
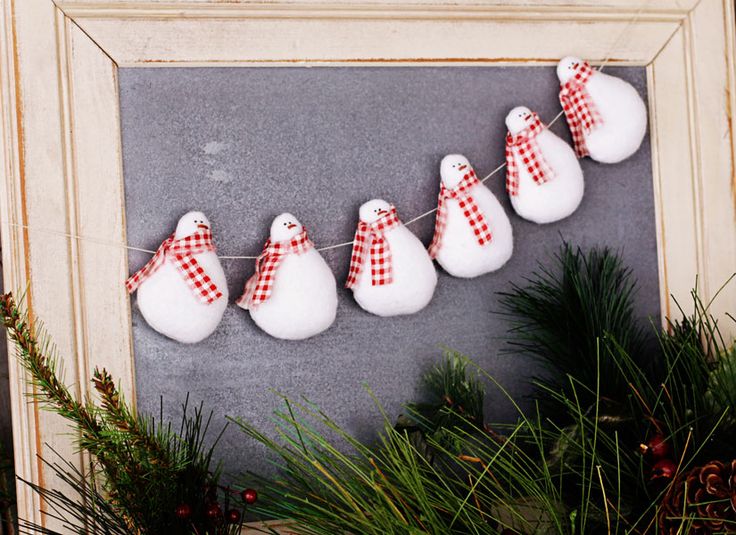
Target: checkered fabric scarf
{"x": 259, "y": 287}
{"x": 369, "y": 237}
{"x": 580, "y": 110}
{"x": 523, "y": 149}
{"x": 181, "y": 252}
{"x": 476, "y": 220}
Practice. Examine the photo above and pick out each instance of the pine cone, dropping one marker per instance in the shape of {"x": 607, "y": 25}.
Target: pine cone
{"x": 703, "y": 499}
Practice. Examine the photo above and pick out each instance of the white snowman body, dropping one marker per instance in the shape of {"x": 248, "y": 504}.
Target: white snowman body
{"x": 460, "y": 254}
{"x": 170, "y": 306}
{"x": 621, "y": 109}
{"x": 414, "y": 275}
{"x": 560, "y": 196}
{"x": 303, "y": 301}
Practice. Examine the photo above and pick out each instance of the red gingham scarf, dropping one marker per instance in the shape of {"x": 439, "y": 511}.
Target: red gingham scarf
{"x": 469, "y": 207}
{"x": 259, "y": 287}
{"x": 370, "y": 236}
{"x": 181, "y": 252}
{"x": 524, "y": 147}
{"x": 580, "y": 110}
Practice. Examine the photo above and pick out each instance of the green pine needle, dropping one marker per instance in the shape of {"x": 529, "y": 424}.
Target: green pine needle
{"x": 559, "y": 315}
{"x": 146, "y": 469}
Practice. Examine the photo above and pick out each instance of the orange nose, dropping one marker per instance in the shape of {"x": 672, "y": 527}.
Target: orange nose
{"x": 382, "y": 212}
{"x": 291, "y": 226}
{"x": 462, "y": 167}
{"x": 202, "y": 225}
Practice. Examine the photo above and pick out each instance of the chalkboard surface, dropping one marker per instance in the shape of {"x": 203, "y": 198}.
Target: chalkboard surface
{"x": 244, "y": 144}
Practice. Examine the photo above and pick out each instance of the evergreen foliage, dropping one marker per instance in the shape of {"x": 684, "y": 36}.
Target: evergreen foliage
{"x": 145, "y": 468}
{"x": 7, "y": 494}
{"x": 563, "y": 311}
{"x": 570, "y": 465}
{"x": 455, "y": 397}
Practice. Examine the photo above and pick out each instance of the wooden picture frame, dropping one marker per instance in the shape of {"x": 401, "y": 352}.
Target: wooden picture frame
{"x": 61, "y": 146}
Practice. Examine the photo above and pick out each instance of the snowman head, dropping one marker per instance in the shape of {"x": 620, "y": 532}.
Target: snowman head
{"x": 285, "y": 227}
{"x": 453, "y": 168}
{"x": 567, "y": 67}
{"x": 374, "y": 210}
{"x": 190, "y": 223}
{"x": 518, "y": 119}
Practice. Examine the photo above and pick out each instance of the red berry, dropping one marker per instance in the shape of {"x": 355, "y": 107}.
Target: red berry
{"x": 233, "y": 516}
{"x": 663, "y": 469}
{"x": 249, "y": 496}
{"x": 183, "y": 511}
{"x": 213, "y": 511}
{"x": 656, "y": 447}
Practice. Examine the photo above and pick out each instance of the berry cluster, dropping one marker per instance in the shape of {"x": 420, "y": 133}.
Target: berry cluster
{"x": 657, "y": 451}
{"x": 213, "y": 511}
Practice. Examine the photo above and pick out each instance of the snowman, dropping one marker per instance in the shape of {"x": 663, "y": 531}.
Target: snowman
{"x": 543, "y": 176}
{"x": 472, "y": 233}
{"x": 293, "y": 293}
{"x": 606, "y": 115}
{"x": 182, "y": 292}
{"x": 390, "y": 270}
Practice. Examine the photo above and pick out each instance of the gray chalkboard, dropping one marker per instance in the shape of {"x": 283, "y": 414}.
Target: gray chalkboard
{"x": 244, "y": 144}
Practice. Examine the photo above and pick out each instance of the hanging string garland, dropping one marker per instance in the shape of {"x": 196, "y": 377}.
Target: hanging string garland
{"x": 293, "y": 295}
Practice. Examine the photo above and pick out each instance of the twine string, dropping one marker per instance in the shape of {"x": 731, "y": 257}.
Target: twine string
{"x": 428, "y": 213}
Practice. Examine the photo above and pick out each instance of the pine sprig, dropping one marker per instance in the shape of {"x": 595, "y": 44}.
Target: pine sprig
{"x": 118, "y": 415}
{"x": 455, "y": 395}
{"x": 7, "y": 494}
{"x": 721, "y": 392}
{"x": 688, "y": 396}
{"x": 146, "y": 468}
{"x": 561, "y": 314}
{"x": 86, "y": 511}
{"x": 38, "y": 357}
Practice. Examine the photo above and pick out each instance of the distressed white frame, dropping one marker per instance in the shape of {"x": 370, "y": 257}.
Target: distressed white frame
{"x": 61, "y": 154}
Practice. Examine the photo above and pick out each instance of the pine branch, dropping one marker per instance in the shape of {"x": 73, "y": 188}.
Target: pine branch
{"x": 116, "y": 413}
{"x": 148, "y": 470}
{"x": 38, "y": 358}
{"x": 560, "y": 315}
{"x": 455, "y": 397}
{"x": 84, "y": 511}
{"x": 7, "y": 495}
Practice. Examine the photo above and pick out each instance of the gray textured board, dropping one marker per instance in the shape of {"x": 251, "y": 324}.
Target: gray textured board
{"x": 244, "y": 144}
